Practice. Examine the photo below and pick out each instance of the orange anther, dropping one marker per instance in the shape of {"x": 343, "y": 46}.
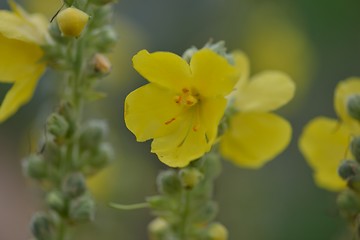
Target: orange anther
{"x": 170, "y": 121}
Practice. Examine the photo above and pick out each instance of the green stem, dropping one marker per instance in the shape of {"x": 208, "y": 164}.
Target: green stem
{"x": 184, "y": 215}
{"x": 62, "y": 230}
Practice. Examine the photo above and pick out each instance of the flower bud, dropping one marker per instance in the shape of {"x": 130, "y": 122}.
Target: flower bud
{"x": 105, "y": 39}
{"x": 355, "y": 148}
{"x": 72, "y": 21}
{"x": 354, "y": 183}
{"x": 74, "y": 185}
{"x": 82, "y": 209}
{"x": 353, "y": 106}
{"x": 190, "y": 177}
{"x": 53, "y": 153}
{"x": 160, "y": 203}
{"x": 93, "y": 134}
{"x": 67, "y": 110}
{"x": 206, "y": 212}
{"x": 42, "y": 227}
{"x": 348, "y": 169}
{"x": 56, "y": 201}
{"x": 217, "y": 231}
{"x": 168, "y": 182}
{"x": 349, "y": 202}
{"x": 57, "y": 125}
{"x": 102, "y": 64}
{"x": 158, "y": 229}
{"x": 35, "y": 166}
{"x": 104, "y": 154}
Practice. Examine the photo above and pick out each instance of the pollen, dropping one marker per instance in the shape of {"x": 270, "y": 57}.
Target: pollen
{"x": 187, "y": 98}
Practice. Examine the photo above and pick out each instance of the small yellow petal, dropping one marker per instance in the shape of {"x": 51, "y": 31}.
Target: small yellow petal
{"x": 20, "y": 93}
{"x": 213, "y": 75}
{"x": 243, "y": 66}
{"x": 343, "y": 90}
{"x": 150, "y": 112}
{"x": 18, "y": 59}
{"x": 266, "y": 91}
{"x": 324, "y": 144}
{"x": 163, "y": 68}
{"x": 255, "y": 138}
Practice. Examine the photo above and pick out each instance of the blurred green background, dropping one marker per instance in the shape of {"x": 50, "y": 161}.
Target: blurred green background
{"x": 316, "y": 42}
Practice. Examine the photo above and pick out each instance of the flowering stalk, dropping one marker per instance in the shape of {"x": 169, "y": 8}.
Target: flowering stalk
{"x": 195, "y": 108}
{"x": 73, "y": 149}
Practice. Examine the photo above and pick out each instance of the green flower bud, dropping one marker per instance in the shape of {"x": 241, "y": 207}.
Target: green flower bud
{"x": 206, "y": 212}
{"x": 105, "y": 39}
{"x": 74, "y": 185}
{"x": 158, "y": 229}
{"x": 354, "y": 183}
{"x": 72, "y": 21}
{"x": 160, "y": 203}
{"x": 217, "y": 231}
{"x": 349, "y": 202}
{"x": 190, "y": 177}
{"x": 212, "y": 166}
{"x": 347, "y": 169}
{"x": 53, "y": 153}
{"x": 42, "y": 227}
{"x": 104, "y": 154}
{"x": 82, "y": 209}
{"x": 56, "y": 201}
{"x": 168, "y": 182}
{"x": 35, "y": 166}
{"x": 68, "y": 112}
{"x": 353, "y": 106}
{"x": 57, "y": 125}
{"x": 355, "y": 148}
{"x": 93, "y": 134}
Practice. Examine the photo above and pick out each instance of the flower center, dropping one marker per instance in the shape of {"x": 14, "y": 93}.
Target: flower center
{"x": 187, "y": 98}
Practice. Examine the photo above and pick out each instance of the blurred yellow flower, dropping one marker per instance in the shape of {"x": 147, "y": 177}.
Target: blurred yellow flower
{"x": 21, "y": 35}
{"x": 255, "y": 135}
{"x": 324, "y": 142}
{"x": 182, "y": 105}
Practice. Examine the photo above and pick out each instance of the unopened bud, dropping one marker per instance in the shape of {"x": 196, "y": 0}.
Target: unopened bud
{"x": 354, "y": 183}
{"x": 349, "y": 202}
{"x": 160, "y": 203}
{"x": 35, "y": 166}
{"x": 42, "y": 227}
{"x": 102, "y": 64}
{"x": 82, "y": 209}
{"x": 158, "y": 229}
{"x": 348, "y": 169}
{"x": 217, "y": 231}
{"x": 103, "y": 155}
{"x": 206, "y": 212}
{"x": 72, "y": 21}
{"x": 57, "y": 125}
{"x": 93, "y": 134}
{"x": 353, "y": 106}
{"x": 168, "y": 182}
{"x": 56, "y": 201}
{"x": 190, "y": 177}
{"x": 74, "y": 185}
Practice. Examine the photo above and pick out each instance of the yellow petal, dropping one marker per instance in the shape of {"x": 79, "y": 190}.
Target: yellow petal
{"x": 255, "y": 138}
{"x": 324, "y": 143}
{"x": 20, "y": 93}
{"x": 213, "y": 75}
{"x": 183, "y": 145}
{"x": 151, "y": 111}
{"x": 18, "y": 59}
{"x": 22, "y": 26}
{"x": 163, "y": 68}
{"x": 343, "y": 90}
{"x": 243, "y": 66}
{"x": 266, "y": 91}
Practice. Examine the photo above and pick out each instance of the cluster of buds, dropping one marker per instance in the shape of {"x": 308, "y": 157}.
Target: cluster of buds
{"x": 349, "y": 170}
{"x": 184, "y": 207}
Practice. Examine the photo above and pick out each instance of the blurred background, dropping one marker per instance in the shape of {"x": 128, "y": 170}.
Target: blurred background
{"x": 315, "y": 42}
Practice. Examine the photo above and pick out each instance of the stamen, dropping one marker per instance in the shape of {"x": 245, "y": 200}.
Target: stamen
{"x": 185, "y": 90}
{"x": 177, "y": 99}
{"x": 170, "y": 121}
{"x": 191, "y": 100}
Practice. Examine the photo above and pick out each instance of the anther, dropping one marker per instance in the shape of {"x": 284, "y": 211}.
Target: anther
{"x": 170, "y": 121}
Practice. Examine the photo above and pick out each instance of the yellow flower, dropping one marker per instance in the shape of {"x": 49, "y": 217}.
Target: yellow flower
{"x": 182, "y": 105}
{"x": 325, "y": 142}
{"x": 255, "y": 135}
{"x": 21, "y": 35}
